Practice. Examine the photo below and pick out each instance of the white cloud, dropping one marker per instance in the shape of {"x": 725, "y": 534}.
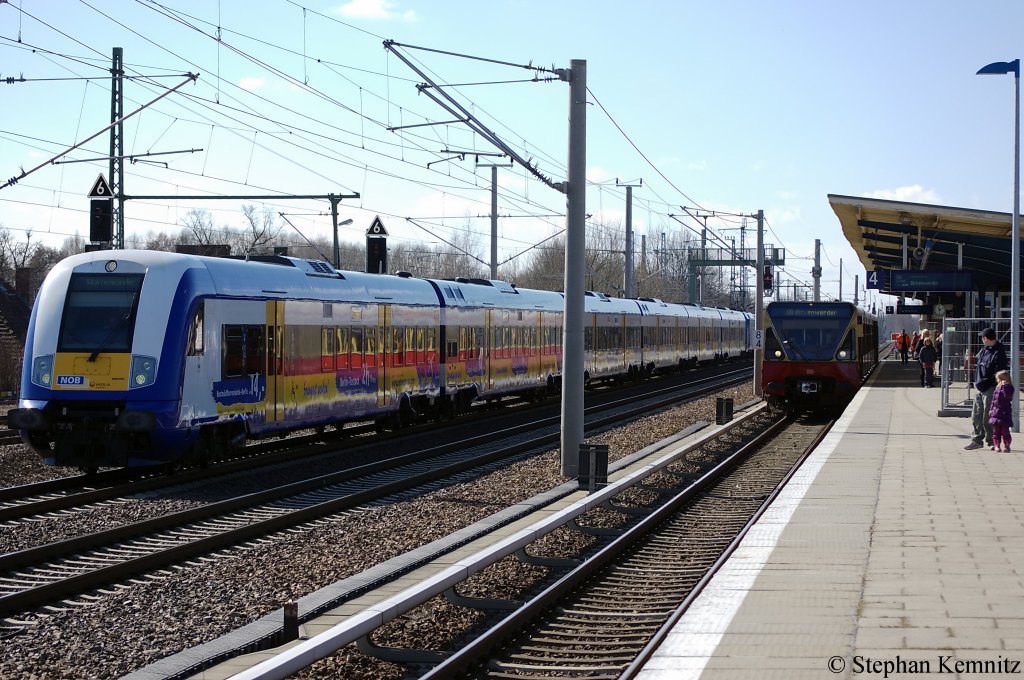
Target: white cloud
{"x": 786, "y": 215}
{"x": 596, "y": 173}
{"x": 251, "y": 83}
{"x": 914, "y": 193}
{"x": 385, "y": 10}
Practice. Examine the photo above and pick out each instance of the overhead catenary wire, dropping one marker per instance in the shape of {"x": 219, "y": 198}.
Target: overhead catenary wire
{"x": 384, "y": 167}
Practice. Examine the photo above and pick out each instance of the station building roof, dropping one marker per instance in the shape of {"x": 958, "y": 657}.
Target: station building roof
{"x": 875, "y": 229}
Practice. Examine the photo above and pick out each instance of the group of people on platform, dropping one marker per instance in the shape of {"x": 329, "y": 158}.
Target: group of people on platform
{"x": 927, "y": 352}
{"x": 992, "y": 410}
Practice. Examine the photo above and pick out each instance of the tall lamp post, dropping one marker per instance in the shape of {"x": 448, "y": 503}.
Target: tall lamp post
{"x": 1002, "y": 68}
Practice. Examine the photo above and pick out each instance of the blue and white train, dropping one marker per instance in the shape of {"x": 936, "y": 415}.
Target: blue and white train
{"x": 144, "y": 357}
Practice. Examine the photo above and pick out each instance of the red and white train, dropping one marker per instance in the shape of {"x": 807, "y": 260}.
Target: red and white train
{"x": 816, "y": 354}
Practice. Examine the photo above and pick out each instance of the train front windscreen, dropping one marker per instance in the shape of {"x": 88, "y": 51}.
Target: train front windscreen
{"x": 806, "y": 332}
{"x": 99, "y": 314}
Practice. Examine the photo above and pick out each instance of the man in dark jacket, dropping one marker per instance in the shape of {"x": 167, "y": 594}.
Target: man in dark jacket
{"x": 991, "y": 359}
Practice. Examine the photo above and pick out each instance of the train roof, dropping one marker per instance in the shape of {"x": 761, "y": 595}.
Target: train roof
{"x": 465, "y": 292}
{"x": 689, "y": 309}
{"x": 274, "y": 276}
{"x": 599, "y": 303}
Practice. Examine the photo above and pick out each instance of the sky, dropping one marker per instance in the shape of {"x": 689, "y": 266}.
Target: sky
{"x": 728, "y": 107}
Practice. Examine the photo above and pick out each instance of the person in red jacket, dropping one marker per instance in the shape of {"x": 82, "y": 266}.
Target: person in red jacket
{"x": 903, "y": 345}
{"x": 914, "y": 342}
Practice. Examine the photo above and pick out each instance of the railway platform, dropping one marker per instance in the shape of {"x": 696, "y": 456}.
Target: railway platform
{"x": 892, "y": 553}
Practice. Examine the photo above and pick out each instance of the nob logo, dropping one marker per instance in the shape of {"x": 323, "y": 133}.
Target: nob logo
{"x": 70, "y": 379}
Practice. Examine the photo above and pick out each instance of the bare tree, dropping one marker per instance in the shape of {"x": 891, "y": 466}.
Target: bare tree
{"x": 458, "y": 256}
{"x": 161, "y": 241}
{"x": 261, "y": 228}
{"x": 6, "y": 245}
{"x": 545, "y": 267}
{"x": 199, "y": 225}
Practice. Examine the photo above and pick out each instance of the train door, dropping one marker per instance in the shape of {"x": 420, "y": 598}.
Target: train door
{"x": 382, "y": 354}
{"x": 274, "y": 403}
{"x": 622, "y": 346}
{"x": 490, "y": 346}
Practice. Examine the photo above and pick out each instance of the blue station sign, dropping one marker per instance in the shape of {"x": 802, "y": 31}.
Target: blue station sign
{"x": 935, "y": 281}
{"x": 911, "y": 309}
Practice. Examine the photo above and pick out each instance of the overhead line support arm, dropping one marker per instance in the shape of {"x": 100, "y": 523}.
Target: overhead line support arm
{"x": 192, "y": 77}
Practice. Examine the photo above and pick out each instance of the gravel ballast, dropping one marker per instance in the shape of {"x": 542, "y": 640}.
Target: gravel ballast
{"x": 172, "y": 610}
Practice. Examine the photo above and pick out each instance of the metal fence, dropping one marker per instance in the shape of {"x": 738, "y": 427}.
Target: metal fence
{"x": 960, "y": 346}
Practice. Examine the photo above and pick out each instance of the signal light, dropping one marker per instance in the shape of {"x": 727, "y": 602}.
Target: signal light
{"x": 101, "y": 221}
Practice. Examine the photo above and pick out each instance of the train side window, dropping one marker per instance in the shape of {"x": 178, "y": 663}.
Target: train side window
{"x": 421, "y": 342}
{"x": 255, "y": 350}
{"x": 431, "y": 345}
{"x": 451, "y": 343}
{"x": 356, "y": 347}
{"x": 327, "y": 339}
{"x": 411, "y": 347}
{"x": 195, "y": 333}
{"x": 370, "y": 349}
{"x": 232, "y": 362}
{"x": 341, "y": 346}
{"x": 397, "y": 347}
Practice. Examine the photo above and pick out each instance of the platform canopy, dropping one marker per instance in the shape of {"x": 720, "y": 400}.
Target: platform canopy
{"x": 935, "y": 234}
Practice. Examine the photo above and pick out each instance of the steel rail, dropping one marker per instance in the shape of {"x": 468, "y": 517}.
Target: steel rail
{"x": 48, "y": 593}
{"x": 110, "y": 484}
{"x": 509, "y": 627}
{"x": 648, "y": 651}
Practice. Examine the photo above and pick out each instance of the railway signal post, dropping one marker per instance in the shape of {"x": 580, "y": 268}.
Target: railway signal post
{"x": 758, "y": 310}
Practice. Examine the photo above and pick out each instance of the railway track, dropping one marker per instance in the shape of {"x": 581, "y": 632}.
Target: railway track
{"x": 48, "y": 574}
{"x": 590, "y": 620}
{"x": 597, "y": 619}
{"x": 39, "y": 499}
{"x": 66, "y": 494}
{"x": 7, "y": 435}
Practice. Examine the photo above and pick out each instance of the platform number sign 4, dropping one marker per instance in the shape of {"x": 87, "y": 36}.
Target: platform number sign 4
{"x": 758, "y": 339}
{"x": 875, "y": 279}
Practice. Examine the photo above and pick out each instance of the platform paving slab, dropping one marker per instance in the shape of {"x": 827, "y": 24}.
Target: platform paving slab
{"x": 894, "y": 543}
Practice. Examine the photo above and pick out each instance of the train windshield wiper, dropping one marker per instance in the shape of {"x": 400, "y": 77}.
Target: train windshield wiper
{"x": 103, "y": 343}
{"x": 788, "y": 344}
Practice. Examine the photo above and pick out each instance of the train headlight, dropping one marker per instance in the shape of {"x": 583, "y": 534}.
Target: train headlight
{"x": 42, "y": 370}
{"x": 143, "y": 371}
{"x": 843, "y": 354}
{"x": 778, "y": 354}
